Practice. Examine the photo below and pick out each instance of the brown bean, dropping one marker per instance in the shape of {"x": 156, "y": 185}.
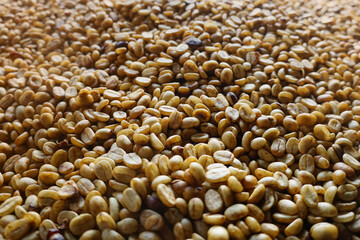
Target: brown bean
{"x": 218, "y": 232}
{"x": 111, "y": 234}
{"x": 351, "y": 161}
{"x": 132, "y": 160}
{"x": 196, "y": 208}
{"x": 9, "y": 205}
{"x": 151, "y": 220}
{"x": 236, "y": 212}
{"x": 217, "y": 172}
{"x": 324, "y": 209}
{"x": 287, "y": 207}
{"x": 127, "y": 226}
{"x": 247, "y": 114}
{"x": 17, "y": 229}
{"x": 147, "y": 235}
{"x": 98, "y": 204}
{"x": 309, "y": 195}
{"x": 324, "y": 230}
{"x": 131, "y": 200}
{"x": 213, "y": 201}
{"x": 105, "y": 221}
{"x": 270, "y": 229}
{"x": 257, "y": 194}
{"x": 123, "y": 119}
{"x": 166, "y": 195}
{"x": 91, "y": 234}
{"x": 82, "y": 223}
{"x": 294, "y": 228}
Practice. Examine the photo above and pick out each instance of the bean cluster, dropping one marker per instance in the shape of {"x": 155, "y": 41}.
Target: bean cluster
{"x": 179, "y": 119}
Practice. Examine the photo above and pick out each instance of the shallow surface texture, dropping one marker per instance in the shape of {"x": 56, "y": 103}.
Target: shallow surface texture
{"x": 131, "y": 119}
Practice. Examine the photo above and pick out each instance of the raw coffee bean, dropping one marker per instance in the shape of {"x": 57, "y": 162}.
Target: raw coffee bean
{"x": 179, "y": 120}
